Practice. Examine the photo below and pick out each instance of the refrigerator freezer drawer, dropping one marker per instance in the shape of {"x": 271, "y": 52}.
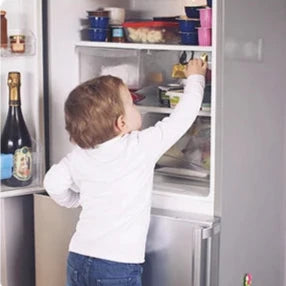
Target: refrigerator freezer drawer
{"x": 180, "y": 247}
{"x": 181, "y": 251}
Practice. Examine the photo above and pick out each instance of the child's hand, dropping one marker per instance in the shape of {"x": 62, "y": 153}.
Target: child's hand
{"x": 196, "y": 66}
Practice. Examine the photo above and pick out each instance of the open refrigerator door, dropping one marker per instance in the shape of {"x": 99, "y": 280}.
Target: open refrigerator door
{"x": 23, "y": 54}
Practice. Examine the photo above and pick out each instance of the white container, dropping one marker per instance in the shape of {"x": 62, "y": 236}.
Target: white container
{"x": 116, "y": 15}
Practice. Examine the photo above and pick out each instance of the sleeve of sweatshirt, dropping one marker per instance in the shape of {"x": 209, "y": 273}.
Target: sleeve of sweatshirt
{"x": 158, "y": 139}
{"x": 60, "y": 186}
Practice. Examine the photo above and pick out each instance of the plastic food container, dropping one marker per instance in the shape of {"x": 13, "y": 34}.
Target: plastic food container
{"x": 193, "y": 12}
{"x": 164, "y": 99}
{"x": 153, "y": 32}
{"x": 174, "y": 97}
{"x": 188, "y": 25}
{"x": 116, "y": 15}
{"x": 98, "y": 35}
{"x": 206, "y": 17}
{"x": 189, "y": 38}
{"x": 205, "y": 36}
{"x": 98, "y": 22}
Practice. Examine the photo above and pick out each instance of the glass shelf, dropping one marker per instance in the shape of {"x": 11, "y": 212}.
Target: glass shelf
{"x": 151, "y": 103}
{"x": 15, "y": 192}
{"x": 138, "y": 46}
{"x": 37, "y": 172}
{"x": 166, "y": 110}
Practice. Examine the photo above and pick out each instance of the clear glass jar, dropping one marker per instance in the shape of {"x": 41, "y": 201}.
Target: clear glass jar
{"x": 17, "y": 43}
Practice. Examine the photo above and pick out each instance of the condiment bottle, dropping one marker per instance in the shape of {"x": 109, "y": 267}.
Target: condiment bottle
{"x": 117, "y": 34}
{"x": 4, "y": 36}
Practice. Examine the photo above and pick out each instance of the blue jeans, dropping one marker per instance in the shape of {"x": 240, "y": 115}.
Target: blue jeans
{"x": 88, "y": 271}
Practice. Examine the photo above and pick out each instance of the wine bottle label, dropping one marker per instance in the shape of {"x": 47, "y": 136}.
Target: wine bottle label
{"x": 22, "y": 169}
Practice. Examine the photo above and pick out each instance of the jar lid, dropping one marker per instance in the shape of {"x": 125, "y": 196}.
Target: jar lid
{"x": 150, "y": 24}
{"x": 2, "y": 12}
{"x": 98, "y": 13}
{"x": 16, "y": 37}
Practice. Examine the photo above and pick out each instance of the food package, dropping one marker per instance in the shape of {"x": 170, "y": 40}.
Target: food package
{"x": 178, "y": 71}
{"x": 152, "y": 32}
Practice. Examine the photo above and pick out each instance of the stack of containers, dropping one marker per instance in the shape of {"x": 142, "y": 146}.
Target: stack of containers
{"x": 205, "y": 31}
{"x": 98, "y": 25}
{"x": 195, "y": 28}
{"x": 188, "y": 30}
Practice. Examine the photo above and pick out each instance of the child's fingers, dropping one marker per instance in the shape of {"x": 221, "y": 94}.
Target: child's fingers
{"x": 205, "y": 65}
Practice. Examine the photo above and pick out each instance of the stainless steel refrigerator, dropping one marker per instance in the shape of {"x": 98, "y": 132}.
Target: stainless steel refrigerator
{"x": 182, "y": 248}
{"x": 243, "y": 191}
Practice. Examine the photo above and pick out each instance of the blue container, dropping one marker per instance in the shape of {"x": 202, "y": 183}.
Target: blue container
{"x": 98, "y": 22}
{"x": 98, "y": 35}
{"x": 193, "y": 12}
{"x": 189, "y": 38}
{"x": 188, "y": 25}
{"x": 6, "y": 166}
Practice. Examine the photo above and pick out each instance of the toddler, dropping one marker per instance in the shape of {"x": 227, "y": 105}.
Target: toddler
{"x": 110, "y": 174}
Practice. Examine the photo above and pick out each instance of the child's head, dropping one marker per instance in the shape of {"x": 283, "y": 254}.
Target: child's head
{"x": 98, "y": 110}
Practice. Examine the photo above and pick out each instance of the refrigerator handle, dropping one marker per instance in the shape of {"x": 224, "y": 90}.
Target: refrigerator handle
{"x": 197, "y": 256}
{"x": 198, "y": 236}
{"x": 209, "y": 233}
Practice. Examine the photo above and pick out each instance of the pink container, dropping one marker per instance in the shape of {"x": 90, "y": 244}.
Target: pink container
{"x": 206, "y": 17}
{"x": 205, "y": 36}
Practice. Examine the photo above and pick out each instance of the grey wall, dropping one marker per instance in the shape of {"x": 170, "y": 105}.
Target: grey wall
{"x": 253, "y": 144}
{"x": 284, "y": 201}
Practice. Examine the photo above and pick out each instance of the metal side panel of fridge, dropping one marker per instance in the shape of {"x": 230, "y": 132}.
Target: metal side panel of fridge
{"x": 182, "y": 249}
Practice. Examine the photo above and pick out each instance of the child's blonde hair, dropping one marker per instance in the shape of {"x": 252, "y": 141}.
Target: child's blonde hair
{"x": 91, "y": 111}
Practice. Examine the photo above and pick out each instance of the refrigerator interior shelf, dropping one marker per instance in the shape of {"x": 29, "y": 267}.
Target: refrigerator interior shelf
{"x": 183, "y": 173}
{"x": 150, "y": 103}
{"x": 172, "y": 186}
{"x": 166, "y": 110}
{"x": 7, "y": 192}
{"x": 136, "y": 46}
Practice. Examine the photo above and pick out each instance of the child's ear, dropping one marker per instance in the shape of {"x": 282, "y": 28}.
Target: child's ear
{"x": 120, "y": 124}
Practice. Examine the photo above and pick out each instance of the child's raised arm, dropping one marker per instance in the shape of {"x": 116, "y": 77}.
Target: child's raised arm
{"x": 156, "y": 140}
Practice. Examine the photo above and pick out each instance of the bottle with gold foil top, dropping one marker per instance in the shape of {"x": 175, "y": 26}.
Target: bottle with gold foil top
{"x": 15, "y": 137}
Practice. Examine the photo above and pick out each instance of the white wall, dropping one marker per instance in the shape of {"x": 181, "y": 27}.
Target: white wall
{"x": 253, "y": 111}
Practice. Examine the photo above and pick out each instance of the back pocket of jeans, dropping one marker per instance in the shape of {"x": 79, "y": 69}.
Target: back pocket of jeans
{"x": 114, "y": 282}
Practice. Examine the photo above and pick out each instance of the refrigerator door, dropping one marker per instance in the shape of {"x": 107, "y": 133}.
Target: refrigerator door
{"x": 181, "y": 250}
